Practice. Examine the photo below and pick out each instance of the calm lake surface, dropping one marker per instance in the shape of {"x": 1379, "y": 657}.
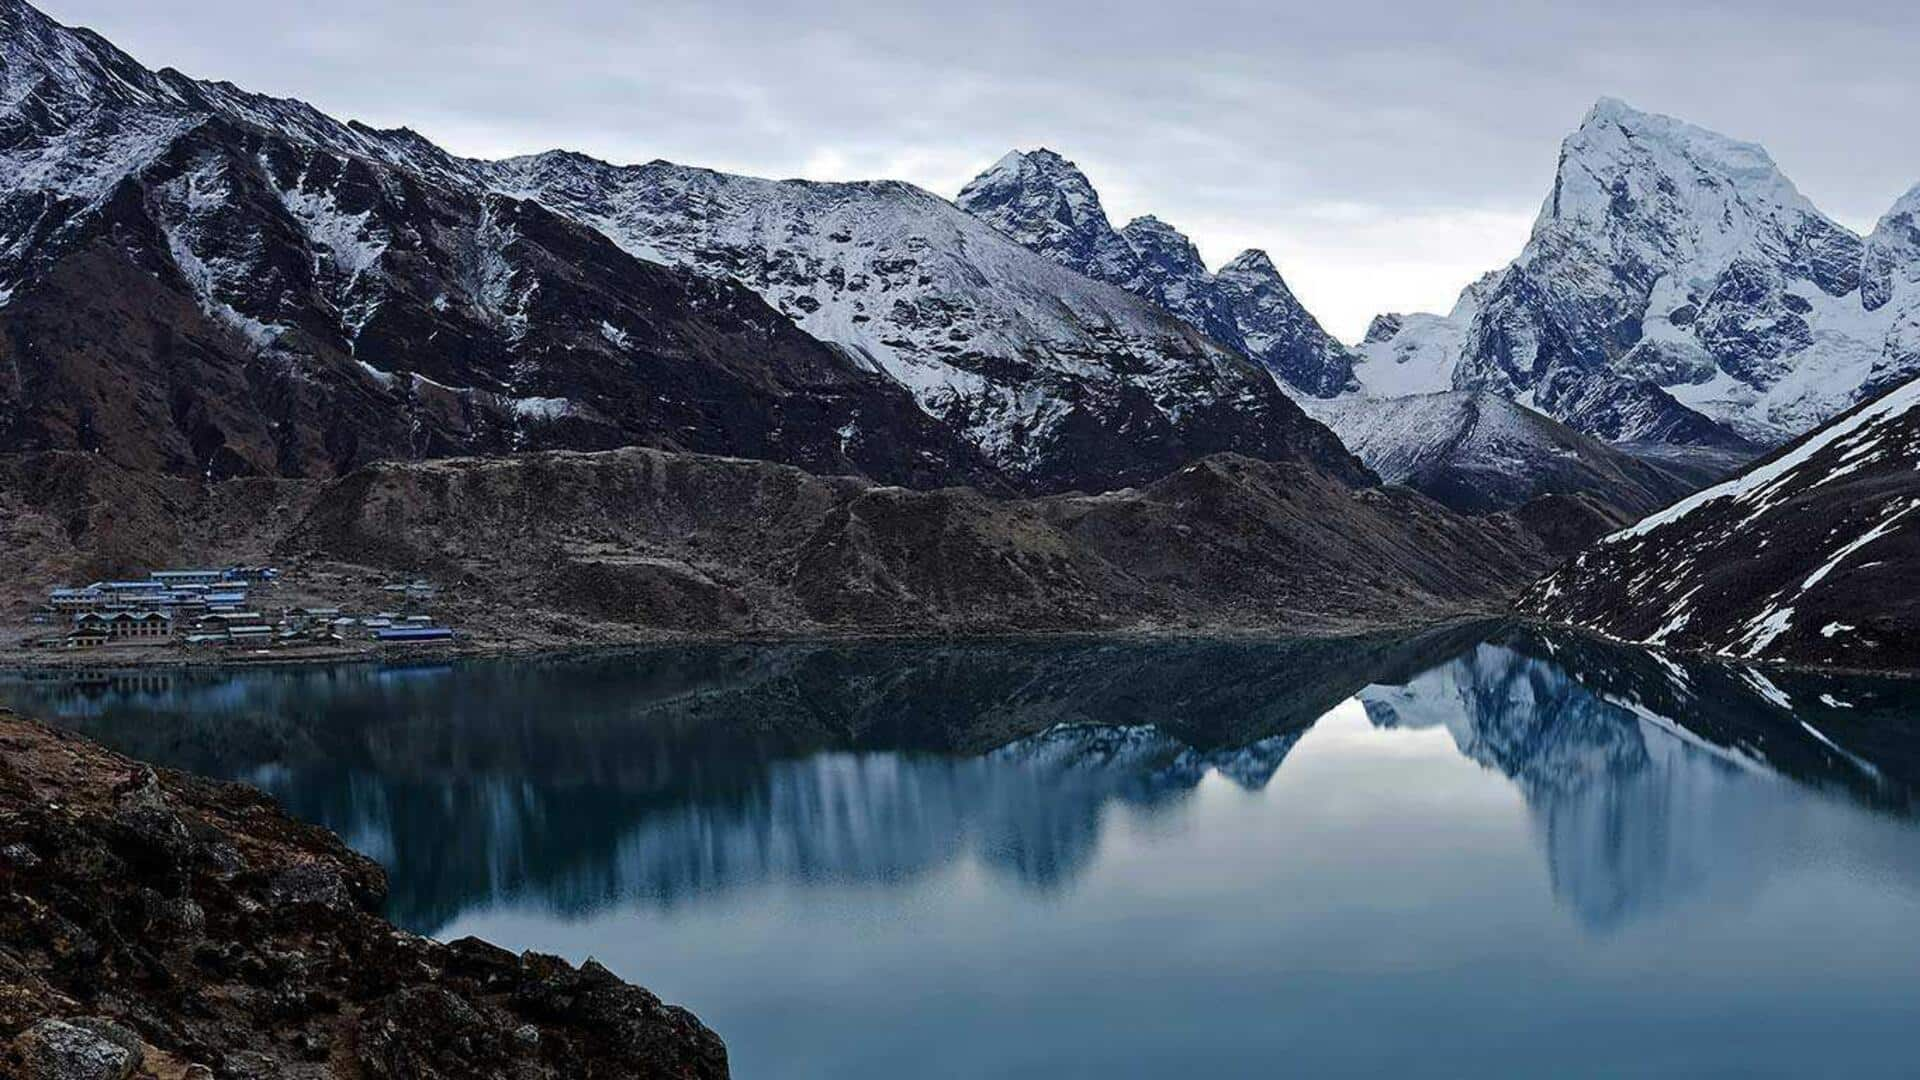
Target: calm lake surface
{"x": 1478, "y": 852}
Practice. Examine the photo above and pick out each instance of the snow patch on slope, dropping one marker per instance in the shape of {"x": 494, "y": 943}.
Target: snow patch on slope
{"x": 1757, "y": 485}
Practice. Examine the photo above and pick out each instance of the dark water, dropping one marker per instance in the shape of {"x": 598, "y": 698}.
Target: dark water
{"x": 1483, "y": 852}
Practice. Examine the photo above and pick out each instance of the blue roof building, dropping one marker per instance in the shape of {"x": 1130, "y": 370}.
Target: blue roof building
{"x": 409, "y": 634}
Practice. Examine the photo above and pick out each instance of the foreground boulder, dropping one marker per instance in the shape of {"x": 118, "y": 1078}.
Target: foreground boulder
{"x": 157, "y": 925}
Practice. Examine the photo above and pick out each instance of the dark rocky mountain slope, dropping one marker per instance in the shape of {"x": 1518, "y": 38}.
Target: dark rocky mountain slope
{"x": 1806, "y": 556}
{"x": 547, "y": 549}
{"x": 637, "y": 537}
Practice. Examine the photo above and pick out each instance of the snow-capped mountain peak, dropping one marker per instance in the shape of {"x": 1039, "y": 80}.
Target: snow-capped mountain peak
{"x": 1617, "y": 139}
{"x": 1252, "y": 263}
{"x": 1154, "y": 240}
{"x": 1664, "y": 194}
{"x": 1676, "y": 287}
{"x": 1046, "y": 204}
{"x": 1892, "y": 252}
{"x": 1168, "y": 270}
{"x": 40, "y": 58}
{"x": 1276, "y": 327}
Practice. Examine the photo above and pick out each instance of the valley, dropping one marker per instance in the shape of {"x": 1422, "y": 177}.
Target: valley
{"x": 564, "y": 549}
{"x": 605, "y": 403}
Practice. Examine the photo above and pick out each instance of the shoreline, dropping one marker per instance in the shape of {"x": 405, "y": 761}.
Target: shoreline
{"x": 13, "y": 657}
{"x": 112, "y": 658}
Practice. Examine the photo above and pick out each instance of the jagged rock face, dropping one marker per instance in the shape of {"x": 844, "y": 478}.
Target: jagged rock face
{"x": 1045, "y": 203}
{"x": 1384, "y": 327}
{"x": 1277, "y": 330}
{"x": 1475, "y": 451}
{"x": 1806, "y": 556}
{"x": 288, "y": 294}
{"x": 1170, "y": 272}
{"x": 1678, "y": 288}
{"x": 1626, "y": 410}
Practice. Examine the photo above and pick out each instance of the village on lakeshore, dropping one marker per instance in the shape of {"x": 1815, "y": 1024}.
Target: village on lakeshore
{"x": 226, "y": 609}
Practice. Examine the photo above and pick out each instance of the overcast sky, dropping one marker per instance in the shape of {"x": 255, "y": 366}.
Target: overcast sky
{"x": 1385, "y": 152}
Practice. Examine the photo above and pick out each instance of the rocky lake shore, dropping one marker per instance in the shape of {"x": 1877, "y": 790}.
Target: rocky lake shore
{"x": 155, "y": 924}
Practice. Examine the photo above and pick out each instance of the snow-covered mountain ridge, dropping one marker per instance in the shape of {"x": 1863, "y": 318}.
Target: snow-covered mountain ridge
{"x": 1044, "y": 202}
{"x": 1043, "y": 368}
{"x": 198, "y": 280}
{"x": 467, "y": 305}
{"x": 1677, "y": 287}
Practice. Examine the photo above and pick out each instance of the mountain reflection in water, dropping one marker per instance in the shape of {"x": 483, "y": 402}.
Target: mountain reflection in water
{"x": 654, "y": 777}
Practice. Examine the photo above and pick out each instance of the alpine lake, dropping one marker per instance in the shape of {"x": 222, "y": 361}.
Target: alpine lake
{"x": 1481, "y": 851}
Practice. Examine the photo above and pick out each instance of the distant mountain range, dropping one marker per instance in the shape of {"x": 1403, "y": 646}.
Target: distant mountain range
{"x": 1678, "y": 299}
{"x": 1677, "y": 292}
{"x": 1043, "y": 201}
{"x": 268, "y": 290}
{"x": 202, "y": 280}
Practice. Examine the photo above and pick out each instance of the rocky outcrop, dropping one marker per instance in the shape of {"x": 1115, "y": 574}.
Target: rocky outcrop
{"x": 157, "y": 925}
